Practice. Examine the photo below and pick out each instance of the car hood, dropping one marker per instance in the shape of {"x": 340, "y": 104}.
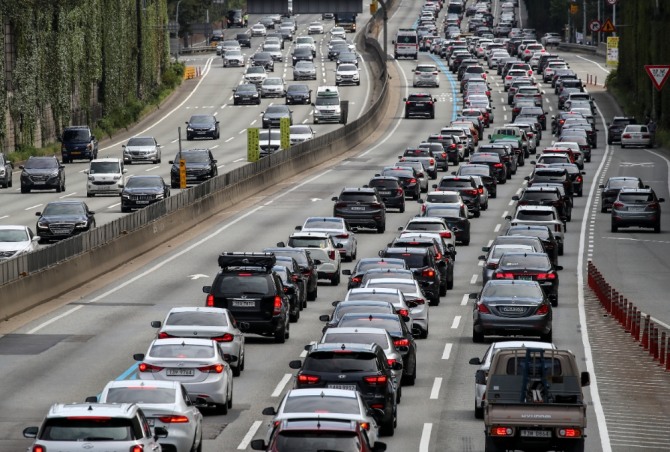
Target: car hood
{"x": 141, "y": 148}
{"x": 40, "y": 171}
{"x": 276, "y": 115}
{"x": 14, "y": 246}
{"x": 197, "y": 165}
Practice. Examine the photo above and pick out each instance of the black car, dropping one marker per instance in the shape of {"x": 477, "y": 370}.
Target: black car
{"x": 202, "y": 126}
{"x": 444, "y": 259}
{"x": 252, "y": 292}
{"x": 355, "y": 307}
{"x": 551, "y": 175}
{"x": 6, "y": 168}
{"x": 468, "y": 189}
{"x": 610, "y": 190}
{"x": 365, "y": 264}
{"x": 420, "y": 104}
{"x": 456, "y": 218}
{"x": 140, "y": 191}
{"x": 545, "y": 196}
{"x": 244, "y": 39}
{"x": 77, "y": 142}
{"x": 200, "y": 166}
{"x": 450, "y": 145}
{"x": 615, "y": 128}
{"x": 272, "y": 116}
{"x": 297, "y": 277}
{"x": 543, "y": 233}
{"x": 361, "y": 207}
{"x": 575, "y": 175}
{"x": 246, "y": 93}
{"x": 64, "y": 219}
{"x": 407, "y": 177}
{"x": 298, "y": 93}
{"x": 485, "y": 172}
{"x": 263, "y": 59}
{"x": 42, "y": 173}
{"x": 423, "y": 262}
{"x": 494, "y": 162}
{"x": 289, "y": 280}
{"x": 506, "y": 156}
{"x": 530, "y": 267}
{"x": 390, "y": 190}
{"x": 302, "y": 54}
{"x": 361, "y": 367}
{"x": 334, "y": 51}
{"x": 538, "y": 112}
{"x": 305, "y": 262}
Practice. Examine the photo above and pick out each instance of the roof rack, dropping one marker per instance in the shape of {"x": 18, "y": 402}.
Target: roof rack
{"x": 263, "y": 260}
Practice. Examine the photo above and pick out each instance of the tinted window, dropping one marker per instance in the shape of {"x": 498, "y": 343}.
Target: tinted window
{"x": 104, "y": 167}
{"x": 358, "y": 338}
{"x": 341, "y": 361}
{"x": 140, "y": 394}
{"x": 80, "y": 429}
{"x": 529, "y": 261}
{"x": 135, "y": 182}
{"x": 512, "y": 291}
{"x": 636, "y": 197}
{"x": 444, "y": 212}
{"x": 443, "y": 198}
{"x": 321, "y": 405}
{"x": 245, "y": 283}
{"x": 533, "y": 215}
{"x": 384, "y": 183}
{"x": 540, "y": 196}
{"x": 456, "y": 183}
{"x": 361, "y": 309}
{"x": 620, "y": 183}
{"x": 324, "y": 223}
{"x": 76, "y": 135}
{"x": 500, "y": 250}
{"x": 318, "y": 440}
{"x": 41, "y": 163}
{"x": 204, "y": 120}
{"x": 182, "y": 350}
{"x": 308, "y": 242}
{"x": 421, "y": 226}
{"x": 141, "y": 142}
{"x": 413, "y": 260}
{"x": 63, "y": 209}
{"x": 196, "y": 318}
{"x": 357, "y": 196}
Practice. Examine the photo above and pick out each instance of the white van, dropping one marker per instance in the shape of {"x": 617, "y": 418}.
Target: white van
{"x": 406, "y": 44}
{"x": 105, "y": 176}
{"x": 327, "y": 105}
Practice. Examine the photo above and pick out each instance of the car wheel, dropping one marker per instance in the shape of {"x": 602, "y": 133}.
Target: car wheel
{"x": 229, "y": 403}
{"x": 657, "y": 227}
{"x": 295, "y": 316}
{"x": 402, "y": 208}
{"x": 335, "y": 280}
{"x": 435, "y": 301}
{"x": 466, "y": 241}
{"x": 59, "y": 189}
{"x": 479, "y": 412}
{"x": 623, "y": 146}
{"x": 477, "y": 214}
{"x": 409, "y": 380}
{"x": 222, "y": 408}
{"x": 381, "y": 228}
{"x": 237, "y": 371}
{"x": 387, "y": 428}
{"x": 477, "y": 338}
{"x": 443, "y": 289}
{"x": 280, "y": 335}
{"x": 312, "y": 294}
{"x": 580, "y": 193}
{"x": 25, "y": 189}
{"x": 560, "y": 249}
{"x": 90, "y": 195}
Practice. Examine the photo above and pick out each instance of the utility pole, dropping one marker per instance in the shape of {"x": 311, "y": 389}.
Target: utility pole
{"x": 178, "y": 39}
{"x": 386, "y": 19}
{"x": 584, "y": 22}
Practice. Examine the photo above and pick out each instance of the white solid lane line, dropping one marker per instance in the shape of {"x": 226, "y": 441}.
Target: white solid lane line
{"x": 446, "y": 354}
{"x": 424, "y": 445}
{"x": 250, "y": 435}
{"x": 280, "y": 386}
{"x": 435, "y": 392}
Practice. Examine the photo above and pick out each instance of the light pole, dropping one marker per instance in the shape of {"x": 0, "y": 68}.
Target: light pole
{"x": 178, "y": 39}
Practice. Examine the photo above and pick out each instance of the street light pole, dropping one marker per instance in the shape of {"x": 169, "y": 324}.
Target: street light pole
{"x": 385, "y": 18}
{"x": 178, "y": 39}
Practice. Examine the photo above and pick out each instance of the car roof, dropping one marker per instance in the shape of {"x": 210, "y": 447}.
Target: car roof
{"x": 126, "y": 410}
{"x": 334, "y": 346}
{"x": 143, "y": 383}
{"x": 207, "y": 309}
{"x": 325, "y": 392}
{"x": 320, "y": 235}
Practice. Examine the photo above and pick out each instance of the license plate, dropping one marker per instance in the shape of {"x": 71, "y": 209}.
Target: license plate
{"x": 348, "y": 387}
{"x": 75, "y": 152}
{"x": 180, "y": 372}
{"x": 525, "y": 278}
{"x": 244, "y": 303}
{"x": 419, "y": 104}
{"x": 142, "y": 202}
{"x": 636, "y": 209}
{"x": 358, "y": 208}
{"x": 151, "y": 421}
{"x": 517, "y": 309}
{"x": 535, "y": 433}
{"x": 385, "y": 193}
{"x": 39, "y": 182}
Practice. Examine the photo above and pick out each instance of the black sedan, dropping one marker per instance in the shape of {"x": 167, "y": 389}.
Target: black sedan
{"x": 202, "y": 126}
{"x": 530, "y": 267}
{"x": 298, "y": 93}
{"x": 263, "y": 59}
{"x": 64, "y": 219}
{"x": 200, "y": 166}
{"x": 407, "y": 177}
{"x": 140, "y": 191}
{"x": 273, "y": 115}
{"x": 246, "y": 93}
{"x": 456, "y": 217}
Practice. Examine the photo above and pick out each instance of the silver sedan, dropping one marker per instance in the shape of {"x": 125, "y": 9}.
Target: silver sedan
{"x": 338, "y": 229}
{"x": 217, "y": 324}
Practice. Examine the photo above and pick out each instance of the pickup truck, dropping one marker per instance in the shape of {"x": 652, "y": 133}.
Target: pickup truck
{"x": 535, "y": 401}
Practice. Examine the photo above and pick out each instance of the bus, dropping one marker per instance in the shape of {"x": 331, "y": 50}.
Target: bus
{"x": 346, "y": 21}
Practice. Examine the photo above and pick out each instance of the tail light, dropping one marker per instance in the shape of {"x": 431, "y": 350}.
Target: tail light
{"x": 428, "y": 273}
{"x": 542, "y": 310}
{"x": 530, "y": 72}
{"x": 452, "y": 146}
{"x": 356, "y": 279}
{"x": 308, "y": 379}
{"x": 295, "y": 278}
{"x": 407, "y": 103}
{"x": 276, "y": 309}
{"x": 417, "y": 301}
{"x": 626, "y": 135}
{"x": 470, "y": 192}
{"x": 445, "y": 234}
{"x": 645, "y": 135}
{"x": 173, "y": 419}
{"x": 213, "y": 369}
{"x": 504, "y": 275}
{"x": 412, "y": 181}
{"x": 144, "y": 367}
{"x": 653, "y": 206}
{"x": 163, "y": 335}
{"x": 136, "y": 448}
{"x": 481, "y": 307}
{"x": 498, "y": 165}
{"x": 225, "y": 338}
{"x": 444, "y": 154}
{"x": 617, "y": 205}
{"x": 569, "y": 433}
{"x": 558, "y": 228}
{"x": 365, "y": 425}
{"x": 391, "y": 361}
{"x": 331, "y": 255}
{"x": 438, "y": 256}
{"x": 376, "y": 380}
{"x": 544, "y": 276}
{"x": 342, "y": 236}
{"x": 502, "y": 431}
{"x": 530, "y": 134}
{"x": 374, "y": 205}
{"x": 399, "y": 192}
{"x": 401, "y": 342}
{"x": 492, "y": 265}
{"x": 403, "y": 312}
{"x": 210, "y": 301}
{"x": 432, "y": 161}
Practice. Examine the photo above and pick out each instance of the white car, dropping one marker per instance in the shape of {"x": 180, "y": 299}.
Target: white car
{"x": 216, "y": 324}
{"x": 255, "y": 75}
{"x": 321, "y": 247}
{"x": 273, "y": 87}
{"x": 415, "y": 298}
{"x": 274, "y": 49}
{"x": 233, "y": 58}
{"x": 315, "y": 28}
{"x": 197, "y": 364}
{"x": 636, "y": 135}
{"x": 300, "y": 133}
{"x": 338, "y": 229}
{"x": 338, "y": 32}
{"x": 165, "y": 404}
{"x": 105, "y": 177}
{"x": 16, "y": 240}
{"x": 485, "y": 364}
{"x": 426, "y": 75}
{"x": 347, "y": 74}
{"x": 551, "y": 39}
{"x": 306, "y": 41}
{"x": 141, "y": 149}
{"x": 258, "y": 30}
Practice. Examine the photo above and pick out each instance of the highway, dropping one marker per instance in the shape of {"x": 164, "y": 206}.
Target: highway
{"x": 70, "y": 347}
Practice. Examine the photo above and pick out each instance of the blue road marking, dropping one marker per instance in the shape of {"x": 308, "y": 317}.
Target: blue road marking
{"x": 452, "y": 84}
{"x": 131, "y": 371}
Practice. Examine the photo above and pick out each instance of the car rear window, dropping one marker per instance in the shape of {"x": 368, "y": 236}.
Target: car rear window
{"x": 369, "y": 296}
{"x": 453, "y": 183}
{"x": 535, "y": 215}
{"x": 621, "y": 183}
{"x": 81, "y": 429}
{"x": 308, "y": 242}
{"x": 323, "y": 223}
{"x": 413, "y": 260}
{"x": 424, "y": 226}
{"x": 244, "y": 283}
{"x": 540, "y": 196}
{"x": 443, "y": 212}
{"x": 76, "y": 135}
{"x": 182, "y": 350}
{"x": 318, "y": 440}
{"x": 551, "y": 367}
{"x": 548, "y": 176}
{"x": 364, "y": 266}
{"x": 341, "y": 361}
{"x": 391, "y": 325}
{"x": 636, "y": 197}
{"x": 384, "y": 183}
{"x": 357, "y": 197}
{"x": 512, "y": 291}
{"x": 196, "y": 318}
{"x": 358, "y": 338}
{"x": 417, "y": 98}
{"x": 500, "y": 250}
{"x": 519, "y": 261}
{"x": 437, "y": 197}
{"x": 321, "y": 405}
{"x": 140, "y": 394}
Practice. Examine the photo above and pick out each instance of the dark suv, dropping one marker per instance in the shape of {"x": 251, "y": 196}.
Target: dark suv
{"x": 202, "y": 126}
{"x": 443, "y": 260}
{"x": 361, "y": 367}
{"x": 545, "y": 196}
{"x": 468, "y": 189}
{"x": 42, "y": 173}
{"x": 407, "y": 177}
{"x": 420, "y": 104}
{"x": 252, "y": 292}
{"x": 361, "y": 207}
{"x": 200, "y": 166}
{"x": 307, "y": 267}
{"x": 390, "y": 190}
{"x": 611, "y": 189}
{"x": 422, "y": 261}
{"x": 617, "y": 125}
{"x": 77, "y": 142}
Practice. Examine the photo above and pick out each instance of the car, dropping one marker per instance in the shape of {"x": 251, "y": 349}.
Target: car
{"x": 637, "y": 207}
{"x": 42, "y": 173}
{"x": 491, "y": 258}
{"x": 418, "y": 166}
{"x": 63, "y": 219}
{"x": 263, "y": 59}
{"x": 636, "y": 135}
{"x": 6, "y": 168}
{"x": 252, "y": 293}
{"x": 165, "y": 404}
{"x": 259, "y": 29}
{"x": 347, "y": 73}
{"x": 255, "y": 75}
{"x": 548, "y": 242}
{"x": 298, "y": 279}
{"x": 315, "y": 28}
{"x": 610, "y": 190}
{"x": 425, "y": 156}
{"x": 407, "y": 178}
{"x": 198, "y": 364}
{"x": 202, "y": 126}
{"x": 551, "y": 39}
{"x": 452, "y": 146}
{"x": 295, "y": 296}
{"x": 244, "y": 39}
{"x": 268, "y": 22}
{"x": 300, "y": 132}
{"x": 467, "y": 188}
{"x": 369, "y": 305}
{"x": 78, "y": 142}
{"x": 307, "y": 267}
{"x": 545, "y": 196}
{"x": 323, "y": 250}
{"x": 327, "y": 105}
{"x": 273, "y": 87}
{"x": 227, "y": 45}
{"x": 16, "y": 240}
{"x": 541, "y": 216}
{"x": 436, "y": 150}
{"x": 575, "y": 175}
{"x": 420, "y": 104}
{"x": 340, "y": 404}
{"x": 527, "y": 266}
{"x": 141, "y": 149}
{"x": 105, "y": 176}
{"x": 273, "y": 115}
{"x": 338, "y": 32}
{"x": 304, "y": 70}
{"x": 302, "y": 53}
{"x": 217, "y": 324}
{"x": 426, "y": 75}
{"x": 511, "y": 307}
{"x": 362, "y": 207}
{"x": 390, "y": 190}
{"x": 347, "y": 57}
{"x": 298, "y": 93}
{"x": 274, "y": 49}
{"x": 340, "y": 231}
{"x": 307, "y": 41}
{"x": 456, "y": 217}
{"x": 269, "y": 141}
{"x": 553, "y": 176}
{"x": 200, "y": 167}
{"x": 368, "y": 263}
{"x": 233, "y": 58}
{"x": 496, "y": 164}
{"x": 67, "y": 427}
{"x": 616, "y": 127}
{"x": 414, "y": 296}
{"x": 287, "y": 31}
{"x": 424, "y": 263}
{"x": 246, "y": 93}
{"x": 485, "y": 364}
{"x": 442, "y": 247}
{"x": 141, "y": 190}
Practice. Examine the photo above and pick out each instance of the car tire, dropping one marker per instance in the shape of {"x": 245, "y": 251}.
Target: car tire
{"x": 477, "y": 338}
{"x": 410, "y": 380}
{"x": 402, "y": 208}
{"x": 387, "y": 428}
{"x": 381, "y": 228}
{"x": 435, "y": 301}
{"x": 293, "y": 318}
{"x": 222, "y": 408}
{"x": 560, "y": 249}
{"x": 479, "y": 412}
{"x": 25, "y": 189}
{"x": 614, "y": 228}
{"x": 312, "y": 294}
{"x": 443, "y": 289}
{"x": 603, "y": 209}
{"x": 580, "y": 193}
{"x": 90, "y": 195}
{"x": 335, "y": 280}
{"x": 657, "y": 228}
{"x": 623, "y": 146}
{"x": 490, "y": 446}
{"x": 466, "y": 242}
{"x": 59, "y": 189}
{"x": 477, "y": 214}
{"x": 280, "y": 336}
{"x": 237, "y": 371}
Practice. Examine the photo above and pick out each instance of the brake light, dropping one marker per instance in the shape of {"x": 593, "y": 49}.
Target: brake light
{"x": 342, "y": 236}
{"x": 546, "y": 276}
{"x": 356, "y": 279}
{"x": 137, "y": 448}
{"x": 501, "y": 431}
{"x": 418, "y": 301}
{"x": 542, "y": 310}
{"x": 331, "y": 255}
{"x": 498, "y": 165}
{"x": 162, "y": 335}
{"x": 144, "y": 367}
{"x": 504, "y": 275}
{"x": 570, "y": 433}
{"x": 213, "y": 369}
{"x": 481, "y": 307}
{"x": 340, "y": 205}
{"x": 210, "y": 301}
{"x": 530, "y": 72}
{"x": 617, "y": 205}
{"x": 403, "y": 312}
{"x": 558, "y": 228}
{"x": 308, "y": 379}
{"x": 470, "y": 192}
{"x": 428, "y": 273}
{"x": 365, "y": 425}
{"x": 39, "y": 448}
{"x": 173, "y": 419}
{"x": 399, "y": 192}
{"x": 452, "y": 146}
{"x": 492, "y": 265}
{"x": 412, "y": 181}
{"x": 445, "y": 234}
{"x": 375, "y": 380}
{"x": 391, "y": 361}
{"x": 432, "y": 161}
{"x": 225, "y": 338}
{"x": 438, "y": 256}
{"x": 401, "y": 342}
{"x": 626, "y": 135}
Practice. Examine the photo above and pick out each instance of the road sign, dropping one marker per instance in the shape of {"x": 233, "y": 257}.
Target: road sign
{"x": 182, "y": 174}
{"x": 658, "y": 74}
{"x": 595, "y": 25}
{"x": 284, "y": 133}
{"x": 612, "y": 2}
{"x": 612, "y": 51}
{"x": 253, "y": 149}
{"x": 608, "y": 27}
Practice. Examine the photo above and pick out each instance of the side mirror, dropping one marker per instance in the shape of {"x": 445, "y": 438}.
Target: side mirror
{"x": 396, "y": 365}
{"x": 38, "y": 214}
{"x": 559, "y": 267}
{"x": 91, "y": 399}
{"x": 269, "y": 411}
{"x": 171, "y": 162}
{"x": 526, "y": 178}
{"x": 515, "y": 198}
{"x": 186, "y": 122}
{"x": 475, "y": 361}
{"x": 661, "y": 199}
{"x": 317, "y": 262}
{"x": 486, "y": 249}
{"x": 298, "y": 228}
{"x": 434, "y": 185}
{"x": 481, "y": 258}
{"x": 324, "y": 318}
{"x": 380, "y": 253}
{"x": 138, "y": 356}
{"x": 295, "y": 364}
{"x": 86, "y": 171}
{"x": 206, "y": 289}
{"x": 334, "y": 303}
{"x": 281, "y": 244}
{"x": 601, "y": 186}
{"x": 508, "y": 217}
{"x": 586, "y": 379}
{"x": 404, "y": 99}
{"x": 156, "y": 324}
{"x": 258, "y": 444}
{"x": 30, "y": 432}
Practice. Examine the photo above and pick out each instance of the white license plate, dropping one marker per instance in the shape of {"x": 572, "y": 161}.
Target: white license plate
{"x": 358, "y": 208}
{"x": 535, "y": 433}
{"x": 525, "y": 278}
{"x": 39, "y": 182}
{"x": 636, "y": 209}
{"x": 142, "y": 202}
{"x": 151, "y": 421}
{"x": 384, "y": 193}
{"x": 243, "y": 304}
{"x": 180, "y": 372}
{"x": 348, "y": 387}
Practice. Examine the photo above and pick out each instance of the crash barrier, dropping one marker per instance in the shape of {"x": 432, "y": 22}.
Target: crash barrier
{"x": 31, "y": 279}
{"x": 189, "y": 72}
{"x": 652, "y": 336}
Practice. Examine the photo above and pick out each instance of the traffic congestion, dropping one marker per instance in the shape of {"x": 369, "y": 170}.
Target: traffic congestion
{"x": 405, "y": 297}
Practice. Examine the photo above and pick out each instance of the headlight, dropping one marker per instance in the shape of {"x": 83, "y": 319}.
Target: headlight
{"x": 81, "y": 224}
{"x": 125, "y": 195}
{"x": 54, "y": 174}
{"x": 2, "y": 171}
{"x": 160, "y": 196}
{"x": 255, "y": 95}
{"x": 117, "y": 177}
{"x": 91, "y": 178}
{"x": 236, "y": 95}
{"x": 212, "y": 128}
{"x": 189, "y": 128}
{"x": 42, "y": 225}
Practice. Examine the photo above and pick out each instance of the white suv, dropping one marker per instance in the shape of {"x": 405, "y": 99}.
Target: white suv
{"x": 323, "y": 250}
{"x": 426, "y": 75}
{"x": 110, "y": 426}
{"x": 105, "y": 176}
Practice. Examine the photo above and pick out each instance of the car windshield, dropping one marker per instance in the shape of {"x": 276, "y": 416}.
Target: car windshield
{"x": 202, "y": 120}
{"x": 96, "y": 428}
{"x": 181, "y": 350}
{"x": 63, "y": 209}
{"x": 104, "y": 168}
{"x": 358, "y": 338}
{"x": 142, "y": 182}
{"x": 140, "y": 394}
{"x": 340, "y": 361}
{"x": 141, "y": 141}
{"x": 383, "y": 183}
{"x": 193, "y": 157}
{"x": 272, "y": 81}
{"x": 246, "y": 88}
{"x": 327, "y": 100}
{"x": 453, "y": 183}
{"x": 323, "y": 223}
{"x": 308, "y": 242}
{"x": 233, "y": 53}
{"x": 512, "y": 291}
{"x": 321, "y": 404}
{"x": 292, "y": 89}
{"x": 255, "y": 70}
{"x": 276, "y": 109}
{"x": 13, "y": 235}
{"x": 196, "y": 318}
{"x": 413, "y": 260}
{"x": 621, "y": 183}
{"x": 317, "y": 440}
{"x": 364, "y": 309}
{"x": 347, "y": 68}
{"x": 45, "y": 163}
{"x": 76, "y": 135}
{"x": 300, "y": 130}
{"x": 303, "y": 65}
{"x": 633, "y": 198}
{"x": 521, "y": 261}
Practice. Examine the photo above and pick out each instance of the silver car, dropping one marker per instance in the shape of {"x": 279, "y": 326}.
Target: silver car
{"x": 304, "y": 70}
{"x": 255, "y": 75}
{"x": 391, "y": 295}
{"x": 233, "y": 58}
{"x": 483, "y": 192}
{"x": 217, "y": 324}
{"x": 273, "y": 87}
{"x": 165, "y": 404}
{"x": 274, "y": 49}
{"x": 141, "y": 149}
{"x": 636, "y": 135}
{"x": 300, "y": 133}
{"x": 338, "y": 229}
{"x": 490, "y": 260}
{"x": 414, "y": 296}
{"x": 198, "y": 364}
{"x": 16, "y": 240}
{"x": 426, "y": 75}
